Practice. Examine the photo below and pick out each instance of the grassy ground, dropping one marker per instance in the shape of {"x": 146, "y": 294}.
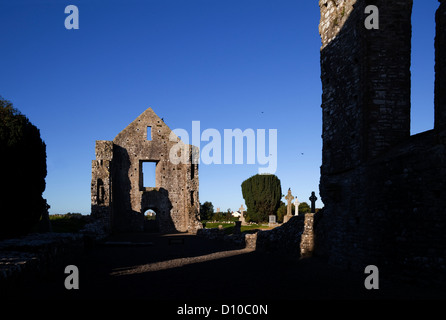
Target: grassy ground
{"x": 67, "y": 222}
{"x": 75, "y": 222}
{"x": 229, "y": 227}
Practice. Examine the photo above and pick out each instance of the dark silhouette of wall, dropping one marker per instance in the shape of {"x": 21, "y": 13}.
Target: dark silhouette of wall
{"x": 383, "y": 190}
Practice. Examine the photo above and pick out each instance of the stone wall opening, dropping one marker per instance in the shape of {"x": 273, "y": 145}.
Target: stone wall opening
{"x": 149, "y": 133}
{"x": 151, "y": 223}
{"x": 100, "y": 191}
{"x": 148, "y": 169}
{"x": 150, "y": 214}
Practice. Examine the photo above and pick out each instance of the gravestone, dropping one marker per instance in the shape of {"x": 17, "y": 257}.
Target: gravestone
{"x": 289, "y": 197}
{"x": 272, "y": 221}
{"x": 313, "y": 199}
{"x": 242, "y": 217}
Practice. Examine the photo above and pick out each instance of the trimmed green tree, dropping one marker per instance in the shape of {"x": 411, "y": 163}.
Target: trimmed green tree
{"x": 23, "y": 172}
{"x": 262, "y": 194}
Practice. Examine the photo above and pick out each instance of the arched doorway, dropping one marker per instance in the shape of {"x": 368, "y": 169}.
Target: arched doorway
{"x": 151, "y": 222}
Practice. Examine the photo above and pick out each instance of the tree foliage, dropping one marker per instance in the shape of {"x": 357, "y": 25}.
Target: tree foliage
{"x": 262, "y": 194}
{"x": 206, "y": 210}
{"x": 281, "y": 211}
{"x": 304, "y": 208}
{"x": 23, "y": 166}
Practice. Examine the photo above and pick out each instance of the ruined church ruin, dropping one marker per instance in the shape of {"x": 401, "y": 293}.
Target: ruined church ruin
{"x": 384, "y": 190}
{"x": 119, "y": 197}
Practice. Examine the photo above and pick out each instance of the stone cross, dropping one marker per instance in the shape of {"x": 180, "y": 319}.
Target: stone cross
{"x": 289, "y": 197}
{"x": 296, "y": 207}
{"x": 242, "y": 217}
{"x": 313, "y": 199}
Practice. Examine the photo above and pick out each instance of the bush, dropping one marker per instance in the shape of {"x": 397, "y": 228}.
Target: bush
{"x": 304, "y": 208}
{"x": 281, "y": 212}
{"x": 23, "y": 172}
{"x": 206, "y": 211}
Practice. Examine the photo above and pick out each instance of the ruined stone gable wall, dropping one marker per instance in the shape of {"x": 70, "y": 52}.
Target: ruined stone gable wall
{"x": 174, "y": 197}
{"x": 134, "y": 149}
{"x": 383, "y": 190}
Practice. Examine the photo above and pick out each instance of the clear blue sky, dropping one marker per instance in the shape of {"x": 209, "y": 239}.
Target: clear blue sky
{"x": 220, "y": 62}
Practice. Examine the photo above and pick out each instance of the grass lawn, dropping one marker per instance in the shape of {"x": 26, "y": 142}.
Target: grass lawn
{"x": 229, "y": 227}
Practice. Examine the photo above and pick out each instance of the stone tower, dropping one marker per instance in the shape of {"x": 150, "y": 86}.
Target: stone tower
{"x": 366, "y": 81}
{"x": 384, "y": 191}
{"x": 118, "y": 195}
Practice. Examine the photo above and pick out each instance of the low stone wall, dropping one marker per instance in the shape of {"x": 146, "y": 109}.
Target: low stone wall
{"x": 295, "y": 238}
{"x": 244, "y": 240}
{"x": 307, "y": 237}
{"x": 36, "y": 255}
{"x": 285, "y": 239}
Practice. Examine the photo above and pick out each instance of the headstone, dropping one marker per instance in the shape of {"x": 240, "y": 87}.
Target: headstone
{"x": 296, "y": 207}
{"x": 289, "y": 197}
{"x": 313, "y": 199}
{"x": 272, "y": 221}
{"x": 242, "y": 217}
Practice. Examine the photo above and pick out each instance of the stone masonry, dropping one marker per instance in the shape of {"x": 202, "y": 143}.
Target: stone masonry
{"x": 384, "y": 190}
{"x": 118, "y": 195}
